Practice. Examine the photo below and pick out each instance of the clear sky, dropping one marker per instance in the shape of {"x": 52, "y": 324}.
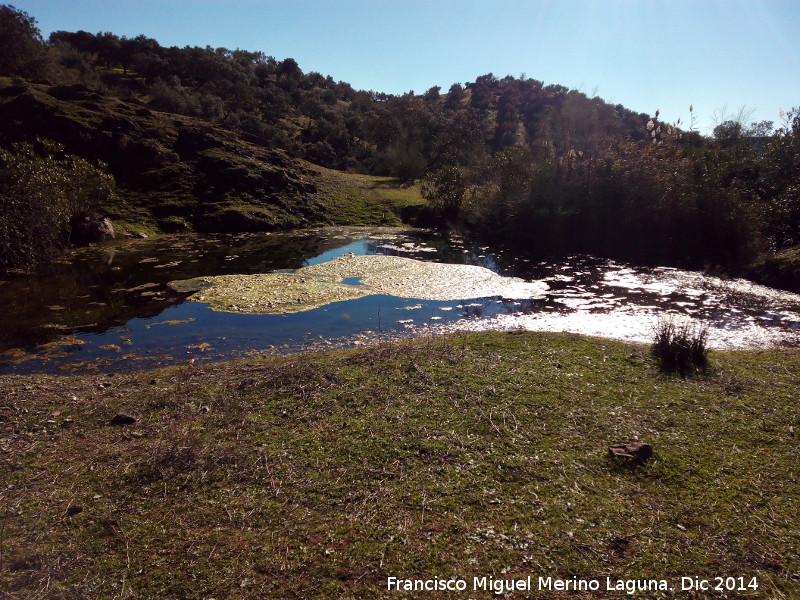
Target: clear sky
{"x": 718, "y": 55}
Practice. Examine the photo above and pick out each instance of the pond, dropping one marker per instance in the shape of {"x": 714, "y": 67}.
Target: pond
{"x": 117, "y": 306}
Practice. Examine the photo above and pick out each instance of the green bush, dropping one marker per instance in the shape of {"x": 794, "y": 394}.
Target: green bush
{"x": 446, "y": 190}
{"x": 680, "y": 348}
{"x": 41, "y": 191}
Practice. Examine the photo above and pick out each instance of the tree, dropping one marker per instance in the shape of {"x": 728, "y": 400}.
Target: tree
{"x": 433, "y": 94}
{"x": 447, "y": 190}
{"x": 729, "y": 132}
{"x": 455, "y": 96}
{"x": 22, "y": 49}
{"x": 508, "y": 119}
{"x": 483, "y": 92}
{"x": 781, "y": 180}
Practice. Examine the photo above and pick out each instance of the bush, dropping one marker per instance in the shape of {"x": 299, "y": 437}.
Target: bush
{"x": 680, "y": 348}
{"x": 41, "y": 191}
{"x": 446, "y": 190}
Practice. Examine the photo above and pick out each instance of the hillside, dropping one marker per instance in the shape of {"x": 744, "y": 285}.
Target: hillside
{"x": 177, "y": 173}
{"x": 217, "y": 139}
{"x": 274, "y": 103}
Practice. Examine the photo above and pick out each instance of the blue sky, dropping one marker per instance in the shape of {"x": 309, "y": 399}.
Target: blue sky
{"x": 718, "y": 55}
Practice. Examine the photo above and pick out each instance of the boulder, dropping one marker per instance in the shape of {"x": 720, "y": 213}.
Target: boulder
{"x": 89, "y": 229}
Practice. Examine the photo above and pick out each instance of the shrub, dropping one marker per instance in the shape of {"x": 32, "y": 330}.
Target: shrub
{"x": 41, "y": 190}
{"x": 680, "y": 348}
{"x": 446, "y": 190}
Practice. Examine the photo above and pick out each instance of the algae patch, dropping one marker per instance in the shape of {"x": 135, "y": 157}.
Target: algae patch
{"x": 170, "y": 322}
{"x": 267, "y": 293}
{"x": 317, "y": 285}
{"x": 410, "y": 278}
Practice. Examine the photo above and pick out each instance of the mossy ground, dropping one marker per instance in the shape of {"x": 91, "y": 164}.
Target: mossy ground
{"x": 319, "y": 475}
{"x": 357, "y": 199}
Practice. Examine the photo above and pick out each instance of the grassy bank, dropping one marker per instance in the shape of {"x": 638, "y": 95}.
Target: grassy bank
{"x": 781, "y": 269}
{"x": 320, "y": 475}
{"x": 356, "y": 199}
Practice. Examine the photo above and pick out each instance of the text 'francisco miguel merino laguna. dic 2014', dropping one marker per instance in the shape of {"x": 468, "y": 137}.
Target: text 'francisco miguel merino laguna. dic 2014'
{"x": 500, "y": 586}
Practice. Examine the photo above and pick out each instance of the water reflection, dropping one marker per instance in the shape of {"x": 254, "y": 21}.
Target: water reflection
{"x": 608, "y": 299}
{"x": 109, "y": 307}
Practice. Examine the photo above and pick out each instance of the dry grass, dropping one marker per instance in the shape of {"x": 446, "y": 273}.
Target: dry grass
{"x": 318, "y": 476}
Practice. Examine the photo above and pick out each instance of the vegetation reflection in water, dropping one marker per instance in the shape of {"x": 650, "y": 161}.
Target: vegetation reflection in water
{"x": 111, "y": 308}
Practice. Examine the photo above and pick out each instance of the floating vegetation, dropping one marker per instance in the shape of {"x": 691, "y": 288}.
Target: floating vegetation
{"x": 317, "y": 285}
{"x": 202, "y": 347}
{"x": 267, "y": 293}
{"x": 59, "y": 348}
{"x": 168, "y": 265}
{"x": 170, "y": 322}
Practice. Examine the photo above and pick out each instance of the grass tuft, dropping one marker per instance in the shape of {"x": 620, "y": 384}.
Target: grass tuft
{"x": 681, "y": 348}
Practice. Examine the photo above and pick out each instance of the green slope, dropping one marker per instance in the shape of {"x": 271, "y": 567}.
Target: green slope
{"x": 177, "y": 173}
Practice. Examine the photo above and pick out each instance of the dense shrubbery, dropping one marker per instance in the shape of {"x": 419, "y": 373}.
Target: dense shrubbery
{"x": 41, "y": 191}
{"x": 720, "y": 203}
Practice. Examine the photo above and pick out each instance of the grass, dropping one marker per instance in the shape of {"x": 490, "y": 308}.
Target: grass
{"x": 357, "y": 199}
{"x": 394, "y": 191}
{"x": 351, "y": 203}
{"x": 781, "y": 269}
{"x": 320, "y": 475}
{"x": 680, "y": 347}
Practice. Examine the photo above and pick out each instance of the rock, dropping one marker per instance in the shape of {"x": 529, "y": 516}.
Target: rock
{"x": 73, "y": 92}
{"x": 636, "y": 452}
{"x": 87, "y": 229}
{"x": 122, "y": 419}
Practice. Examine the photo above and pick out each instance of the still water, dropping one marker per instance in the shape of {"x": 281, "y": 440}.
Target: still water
{"x": 109, "y": 308}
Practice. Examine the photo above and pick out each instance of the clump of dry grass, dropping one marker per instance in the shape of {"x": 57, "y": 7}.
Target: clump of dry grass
{"x": 680, "y": 347}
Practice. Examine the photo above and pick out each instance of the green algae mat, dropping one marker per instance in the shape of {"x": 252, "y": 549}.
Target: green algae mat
{"x": 317, "y": 285}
